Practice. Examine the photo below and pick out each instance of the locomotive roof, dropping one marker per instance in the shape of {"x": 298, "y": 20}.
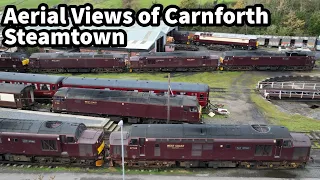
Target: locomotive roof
{"x": 179, "y": 54}
{"x": 209, "y": 131}
{"x": 76, "y": 55}
{"x": 34, "y": 78}
{"x": 136, "y": 84}
{"x": 267, "y": 53}
{"x": 40, "y": 127}
{"x": 126, "y": 96}
{"x": 12, "y": 88}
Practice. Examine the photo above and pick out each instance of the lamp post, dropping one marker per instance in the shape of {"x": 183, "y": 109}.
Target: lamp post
{"x": 122, "y": 149}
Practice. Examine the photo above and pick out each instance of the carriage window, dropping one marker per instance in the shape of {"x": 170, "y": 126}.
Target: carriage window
{"x": 15, "y": 140}
{"x": 201, "y": 96}
{"x": 133, "y": 142}
{"x": 185, "y": 109}
{"x": 44, "y": 87}
{"x": 35, "y": 87}
{"x": 228, "y": 146}
{"x": 53, "y": 87}
{"x": 182, "y": 93}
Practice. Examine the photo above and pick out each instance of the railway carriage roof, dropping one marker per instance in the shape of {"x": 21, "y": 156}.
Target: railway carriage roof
{"x": 266, "y": 53}
{"x": 39, "y": 127}
{"x": 136, "y": 84}
{"x": 12, "y": 88}
{"x": 209, "y": 131}
{"x": 33, "y": 78}
{"x": 126, "y": 96}
{"x": 76, "y": 55}
{"x": 14, "y": 55}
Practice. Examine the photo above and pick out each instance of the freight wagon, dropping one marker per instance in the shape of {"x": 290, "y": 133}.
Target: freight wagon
{"x": 211, "y": 145}
{"x": 134, "y": 107}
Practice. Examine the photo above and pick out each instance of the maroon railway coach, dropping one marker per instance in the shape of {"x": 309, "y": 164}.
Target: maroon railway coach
{"x": 201, "y": 91}
{"x": 13, "y": 62}
{"x": 135, "y": 107}
{"x": 263, "y": 60}
{"x": 18, "y": 96}
{"x": 174, "y": 61}
{"x": 47, "y": 142}
{"x": 45, "y": 85}
{"x": 211, "y": 145}
{"x": 77, "y": 62}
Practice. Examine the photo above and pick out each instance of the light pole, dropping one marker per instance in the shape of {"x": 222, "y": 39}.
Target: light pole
{"x": 122, "y": 149}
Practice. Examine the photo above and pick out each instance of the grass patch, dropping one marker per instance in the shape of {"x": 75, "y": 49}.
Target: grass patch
{"x": 213, "y": 79}
{"x": 318, "y": 63}
{"x": 294, "y": 122}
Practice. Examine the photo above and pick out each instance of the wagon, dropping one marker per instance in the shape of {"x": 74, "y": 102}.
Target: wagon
{"x": 18, "y": 96}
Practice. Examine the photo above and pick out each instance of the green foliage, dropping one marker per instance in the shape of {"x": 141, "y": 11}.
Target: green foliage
{"x": 31, "y": 50}
{"x": 188, "y": 4}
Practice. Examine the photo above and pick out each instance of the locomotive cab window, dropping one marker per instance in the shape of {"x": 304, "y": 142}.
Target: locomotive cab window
{"x": 70, "y": 139}
{"x": 53, "y": 87}
{"x": 287, "y": 144}
{"x": 133, "y": 142}
{"x": 193, "y": 109}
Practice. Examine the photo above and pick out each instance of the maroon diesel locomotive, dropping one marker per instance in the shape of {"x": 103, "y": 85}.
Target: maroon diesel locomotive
{"x": 185, "y": 145}
{"x": 77, "y": 62}
{"x": 201, "y": 91}
{"x": 174, "y": 61}
{"x": 263, "y": 60}
{"x": 50, "y": 142}
{"x": 135, "y": 107}
{"x": 14, "y": 62}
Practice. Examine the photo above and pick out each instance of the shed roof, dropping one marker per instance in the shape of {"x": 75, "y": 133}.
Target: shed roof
{"x": 39, "y": 127}
{"x": 138, "y": 37}
{"x": 135, "y": 84}
{"x": 126, "y": 96}
{"x": 209, "y": 131}
{"x": 12, "y": 88}
{"x": 33, "y": 78}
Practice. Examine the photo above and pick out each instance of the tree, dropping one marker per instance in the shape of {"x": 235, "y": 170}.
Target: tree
{"x": 314, "y": 27}
{"x": 240, "y": 4}
{"x": 189, "y": 4}
{"x": 293, "y": 24}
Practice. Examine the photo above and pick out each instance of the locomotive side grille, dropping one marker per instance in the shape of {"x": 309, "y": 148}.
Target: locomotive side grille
{"x": 300, "y": 153}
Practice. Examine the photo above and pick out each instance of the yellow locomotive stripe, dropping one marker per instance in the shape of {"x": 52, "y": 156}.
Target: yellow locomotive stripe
{"x": 25, "y": 62}
{"x": 101, "y": 147}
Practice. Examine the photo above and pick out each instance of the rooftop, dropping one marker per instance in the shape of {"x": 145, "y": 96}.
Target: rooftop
{"x": 138, "y": 37}
{"x": 12, "y": 88}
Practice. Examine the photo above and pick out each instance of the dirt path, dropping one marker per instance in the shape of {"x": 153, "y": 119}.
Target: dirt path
{"x": 237, "y": 101}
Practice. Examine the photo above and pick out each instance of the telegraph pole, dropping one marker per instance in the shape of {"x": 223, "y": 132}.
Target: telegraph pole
{"x": 168, "y": 103}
